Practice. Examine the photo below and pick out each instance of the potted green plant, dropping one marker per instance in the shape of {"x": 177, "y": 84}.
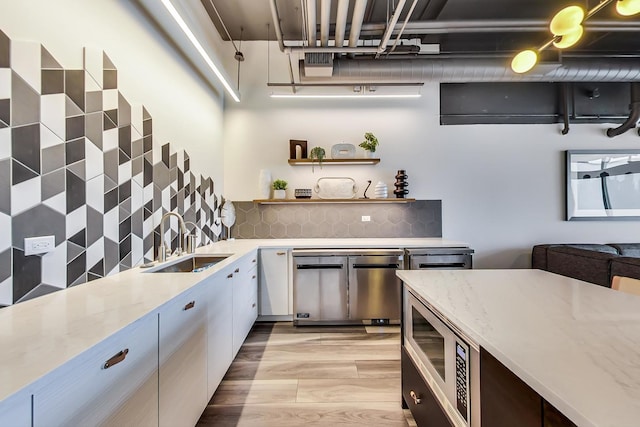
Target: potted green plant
{"x": 369, "y": 144}
{"x": 279, "y": 189}
{"x": 317, "y": 153}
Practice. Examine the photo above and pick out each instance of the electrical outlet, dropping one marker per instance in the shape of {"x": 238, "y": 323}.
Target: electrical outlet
{"x": 39, "y": 245}
{"x": 366, "y": 218}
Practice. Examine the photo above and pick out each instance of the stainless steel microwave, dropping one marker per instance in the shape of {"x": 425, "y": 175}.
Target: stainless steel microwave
{"x": 449, "y": 364}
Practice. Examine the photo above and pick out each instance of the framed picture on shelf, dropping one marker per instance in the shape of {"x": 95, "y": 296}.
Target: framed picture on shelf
{"x": 603, "y": 184}
{"x": 297, "y": 149}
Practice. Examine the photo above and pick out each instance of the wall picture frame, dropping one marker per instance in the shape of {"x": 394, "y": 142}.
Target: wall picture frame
{"x": 602, "y": 185}
{"x": 297, "y": 149}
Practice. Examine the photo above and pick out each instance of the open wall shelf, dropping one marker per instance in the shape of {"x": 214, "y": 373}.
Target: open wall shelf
{"x": 292, "y": 201}
{"x": 314, "y": 162}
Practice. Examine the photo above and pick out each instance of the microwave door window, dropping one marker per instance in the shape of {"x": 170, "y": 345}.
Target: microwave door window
{"x": 429, "y": 340}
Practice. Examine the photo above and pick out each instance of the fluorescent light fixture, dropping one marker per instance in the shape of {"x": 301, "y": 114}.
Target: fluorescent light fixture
{"x": 276, "y": 95}
{"x": 192, "y": 38}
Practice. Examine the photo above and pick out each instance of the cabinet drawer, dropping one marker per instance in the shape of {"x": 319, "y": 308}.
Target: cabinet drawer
{"x": 15, "y": 411}
{"x": 426, "y": 410}
{"x": 183, "y": 359}
{"x": 88, "y": 391}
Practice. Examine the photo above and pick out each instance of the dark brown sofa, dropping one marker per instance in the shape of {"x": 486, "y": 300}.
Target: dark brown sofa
{"x": 593, "y": 263}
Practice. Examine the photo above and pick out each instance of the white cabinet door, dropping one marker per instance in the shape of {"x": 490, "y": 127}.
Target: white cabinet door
{"x": 274, "y": 282}
{"x": 114, "y": 383}
{"x": 15, "y": 410}
{"x": 219, "y": 327}
{"x": 245, "y": 307}
{"x": 183, "y": 358}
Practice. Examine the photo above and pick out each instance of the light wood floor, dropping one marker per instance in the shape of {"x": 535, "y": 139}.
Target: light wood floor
{"x": 312, "y": 376}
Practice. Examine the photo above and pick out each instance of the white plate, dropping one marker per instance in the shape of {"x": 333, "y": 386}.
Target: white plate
{"x": 336, "y": 188}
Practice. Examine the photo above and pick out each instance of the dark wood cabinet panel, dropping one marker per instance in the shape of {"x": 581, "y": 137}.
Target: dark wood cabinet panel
{"x": 505, "y": 400}
{"x": 427, "y": 412}
{"x": 553, "y": 417}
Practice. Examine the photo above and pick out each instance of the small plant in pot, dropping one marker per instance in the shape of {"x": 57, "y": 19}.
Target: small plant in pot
{"x": 317, "y": 153}
{"x": 369, "y": 144}
{"x": 279, "y": 189}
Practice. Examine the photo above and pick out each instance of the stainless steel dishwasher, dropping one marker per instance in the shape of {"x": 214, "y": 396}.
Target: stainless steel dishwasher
{"x": 319, "y": 287}
{"x": 375, "y": 292}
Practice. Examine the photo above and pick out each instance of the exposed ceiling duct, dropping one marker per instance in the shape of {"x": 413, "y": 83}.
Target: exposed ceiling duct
{"x": 634, "y": 116}
{"x": 461, "y": 70}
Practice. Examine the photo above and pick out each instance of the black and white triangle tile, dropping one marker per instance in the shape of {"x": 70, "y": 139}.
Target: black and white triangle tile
{"x": 77, "y": 161}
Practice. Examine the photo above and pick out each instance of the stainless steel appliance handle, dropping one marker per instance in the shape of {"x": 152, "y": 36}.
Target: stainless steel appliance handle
{"x": 319, "y": 266}
{"x": 375, "y": 266}
{"x": 444, "y": 264}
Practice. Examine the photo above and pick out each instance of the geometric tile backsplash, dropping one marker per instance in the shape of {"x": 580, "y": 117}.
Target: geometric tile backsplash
{"x": 76, "y": 162}
{"x": 422, "y": 218}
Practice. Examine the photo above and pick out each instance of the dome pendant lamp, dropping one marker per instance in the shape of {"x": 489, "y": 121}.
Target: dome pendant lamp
{"x": 567, "y": 20}
{"x": 628, "y": 7}
{"x": 524, "y": 61}
{"x": 570, "y": 39}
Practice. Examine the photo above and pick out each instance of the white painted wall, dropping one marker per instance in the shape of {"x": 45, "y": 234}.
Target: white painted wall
{"x": 502, "y": 186}
{"x": 187, "y": 111}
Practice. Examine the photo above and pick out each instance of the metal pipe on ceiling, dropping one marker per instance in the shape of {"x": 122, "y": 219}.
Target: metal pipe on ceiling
{"x": 341, "y": 22}
{"x": 311, "y": 22}
{"x": 331, "y": 49}
{"x": 390, "y": 26}
{"x": 359, "y": 8}
{"x": 406, "y": 21}
{"x": 492, "y": 26}
{"x": 325, "y": 16}
{"x": 278, "y": 29}
{"x": 276, "y": 24}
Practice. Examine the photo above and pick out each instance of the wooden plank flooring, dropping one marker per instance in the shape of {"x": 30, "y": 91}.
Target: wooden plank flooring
{"x": 312, "y": 376}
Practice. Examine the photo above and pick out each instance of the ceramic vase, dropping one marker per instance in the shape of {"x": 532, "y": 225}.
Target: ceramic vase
{"x": 369, "y": 154}
{"x": 380, "y": 190}
{"x": 264, "y": 184}
{"x": 401, "y": 184}
{"x": 279, "y": 194}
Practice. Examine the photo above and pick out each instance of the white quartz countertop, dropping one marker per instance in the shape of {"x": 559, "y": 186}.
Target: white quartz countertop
{"x": 577, "y": 344}
{"x": 41, "y": 334}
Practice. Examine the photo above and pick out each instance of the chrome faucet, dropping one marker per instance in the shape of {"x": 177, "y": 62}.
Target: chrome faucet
{"x": 162, "y": 249}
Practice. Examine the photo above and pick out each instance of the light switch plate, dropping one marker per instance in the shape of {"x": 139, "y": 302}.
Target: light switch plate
{"x": 366, "y": 218}
{"x": 39, "y": 245}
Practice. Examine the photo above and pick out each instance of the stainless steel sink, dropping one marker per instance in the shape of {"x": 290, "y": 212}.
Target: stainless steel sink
{"x": 193, "y": 264}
